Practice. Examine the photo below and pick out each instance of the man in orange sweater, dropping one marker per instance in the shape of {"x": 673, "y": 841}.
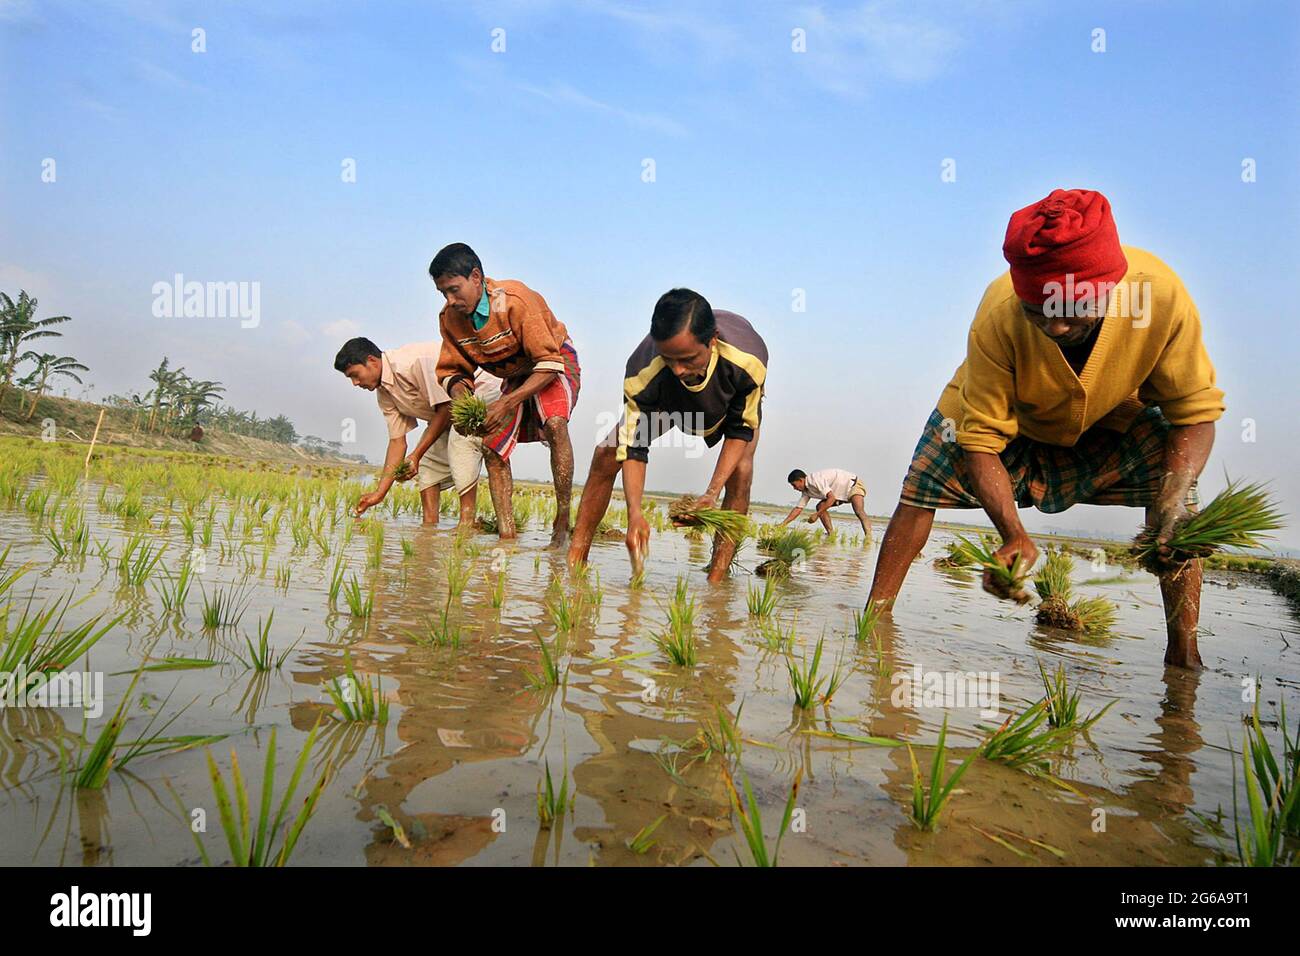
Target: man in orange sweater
{"x": 507, "y": 329}
{"x": 1085, "y": 382}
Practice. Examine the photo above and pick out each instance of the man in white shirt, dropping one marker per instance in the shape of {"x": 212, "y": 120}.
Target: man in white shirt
{"x": 831, "y": 487}
{"x": 406, "y": 387}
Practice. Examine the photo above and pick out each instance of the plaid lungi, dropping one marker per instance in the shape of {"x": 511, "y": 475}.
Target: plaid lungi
{"x": 555, "y": 400}
{"x": 1103, "y": 468}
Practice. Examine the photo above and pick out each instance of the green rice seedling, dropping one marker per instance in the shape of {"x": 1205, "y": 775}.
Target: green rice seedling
{"x": 469, "y": 415}
{"x": 550, "y": 674}
{"x": 138, "y": 560}
{"x": 775, "y": 636}
{"x": 637, "y": 581}
{"x": 1053, "y": 579}
{"x": 261, "y": 656}
{"x": 205, "y": 535}
{"x": 1096, "y": 615}
{"x": 9, "y": 578}
{"x": 685, "y": 513}
{"x": 283, "y": 574}
{"x": 402, "y": 471}
{"x": 1011, "y": 579}
{"x": 724, "y": 739}
{"x": 865, "y": 621}
{"x": 109, "y": 753}
{"x": 358, "y": 701}
{"x": 336, "y": 581}
{"x": 1019, "y": 742}
{"x": 439, "y": 632}
{"x": 1272, "y": 796}
{"x": 497, "y": 595}
{"x": 361, "y": 604}
{"x": 254, "y": 844}
{"x": 641, "y": 843}
{"x": 751, "y": 821}
{"x": 763, "y": 602}
{"x": 522, "y": 510}
{"x": 224, "y": 609}
{"x": 928, "y": 803}
{"x": 408, "y": 547}
{"x": 56, "y": 543}
{"x": 1240, "y": 516}
{"x": 954, "y": 558}
{"x": 678, "y": 646}
{"x": 458, "y": 572}
{"x": 804, "y": 680}
{"x": 176, "y": 589}
{"x": 552, "y": 803}
{"x": 563, "y": 612}
{"x": 1062, "y": 706}
{"x": 37, "y": 501}
{"x": 37, "y": 643}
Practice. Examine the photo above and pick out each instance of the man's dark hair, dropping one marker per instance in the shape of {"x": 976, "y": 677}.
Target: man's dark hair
{"x": 355, "y": 352}
{"x": 456, "y": 259}
{"x": 676, "y": 309}
{"x": 794, "y": 476}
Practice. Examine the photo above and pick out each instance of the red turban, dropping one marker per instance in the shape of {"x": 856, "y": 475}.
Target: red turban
{"x": 1070, "y": 232}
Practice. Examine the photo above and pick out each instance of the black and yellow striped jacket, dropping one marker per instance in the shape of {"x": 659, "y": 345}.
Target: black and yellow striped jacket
{"x": 727, "y": 404}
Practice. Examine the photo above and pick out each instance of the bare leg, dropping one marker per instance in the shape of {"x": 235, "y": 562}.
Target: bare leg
{"x": 557, "y": 436}
{"x": 825, "y": 518}
{"x": 1181, "y": 594}
{"x": 906, "y": 535}
{"x": 429, "y": 502}
{"x": 595, "y": 499}
{"x": 468, "y": 508}
{"x": 502, "y": 487}
{"x": 736, "y": 499}
{"x": 859, "y": 509}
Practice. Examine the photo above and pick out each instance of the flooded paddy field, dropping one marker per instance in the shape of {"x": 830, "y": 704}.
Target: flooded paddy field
{"x": 496, "y": 665}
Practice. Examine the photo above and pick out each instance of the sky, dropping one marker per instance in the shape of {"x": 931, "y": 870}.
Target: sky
{"x": 860, "y": 159}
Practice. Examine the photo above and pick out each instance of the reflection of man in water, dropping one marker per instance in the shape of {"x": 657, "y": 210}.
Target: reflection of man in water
{"x": 1085, "y": 382}
{"x": 700, "y": 371}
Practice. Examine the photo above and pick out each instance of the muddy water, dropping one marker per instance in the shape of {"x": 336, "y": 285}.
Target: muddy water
{"x": 459, "y": 762}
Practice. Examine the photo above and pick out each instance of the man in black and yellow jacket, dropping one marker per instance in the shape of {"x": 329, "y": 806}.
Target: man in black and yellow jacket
{"x": 699, "y": 371}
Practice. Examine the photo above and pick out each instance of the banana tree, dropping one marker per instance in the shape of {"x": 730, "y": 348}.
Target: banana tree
{"x": 18, "y": 326}
{"x": 51, "y": 366}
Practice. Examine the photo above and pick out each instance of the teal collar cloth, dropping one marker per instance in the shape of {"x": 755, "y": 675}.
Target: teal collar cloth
{"x": 483, "y": 311}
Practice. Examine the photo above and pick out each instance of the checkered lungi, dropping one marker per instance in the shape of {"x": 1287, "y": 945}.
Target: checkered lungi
{"x": 1103, "y": 468}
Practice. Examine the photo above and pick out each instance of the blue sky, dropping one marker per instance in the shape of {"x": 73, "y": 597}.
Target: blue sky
{"x": 774, "y": 171}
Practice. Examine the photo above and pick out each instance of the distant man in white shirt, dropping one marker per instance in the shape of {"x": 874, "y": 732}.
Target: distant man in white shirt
{"x": 406, "y": 387}
{"x": 831, "y": 487}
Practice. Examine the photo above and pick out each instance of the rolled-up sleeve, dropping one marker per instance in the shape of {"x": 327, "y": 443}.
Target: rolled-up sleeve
{"x": 988, "y": 419}
{"x": 538, "y": 332}
{"x": 452, "y": 362}
{"x": 398, "y": 424}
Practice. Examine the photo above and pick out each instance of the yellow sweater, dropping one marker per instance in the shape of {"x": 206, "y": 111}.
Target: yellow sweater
{"x": 1015, "y": 381}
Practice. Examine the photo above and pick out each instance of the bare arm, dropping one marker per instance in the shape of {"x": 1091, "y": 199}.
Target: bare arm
{"x": 504, "y": 407}
{"x": 992, "y": 486}
{"x": 392, "y": 458}
{"x": 638, "y": 529}
{"x": 1187, "y": 448}
{"x": 733, "y": 449}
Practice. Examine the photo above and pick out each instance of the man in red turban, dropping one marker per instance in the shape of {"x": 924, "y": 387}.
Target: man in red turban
{"x": 1085, "y": 382}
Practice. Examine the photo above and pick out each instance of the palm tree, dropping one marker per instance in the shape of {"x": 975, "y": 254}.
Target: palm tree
{"x": 47, "y": 367}
{"x": 165, "y": 381}
{"x": 18, "y": 326}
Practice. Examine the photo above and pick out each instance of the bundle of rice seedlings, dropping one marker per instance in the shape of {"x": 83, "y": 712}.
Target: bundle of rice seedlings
{"x": 469, "y": 415}
{"x": 684, "y": 513}
{"x": 1237, "y": 518}
{"x": 1012, "y": 579}
{"x": 402, "y": 471}
{"x": 954, "y": 559}
{"x": 1053, "y": 585}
